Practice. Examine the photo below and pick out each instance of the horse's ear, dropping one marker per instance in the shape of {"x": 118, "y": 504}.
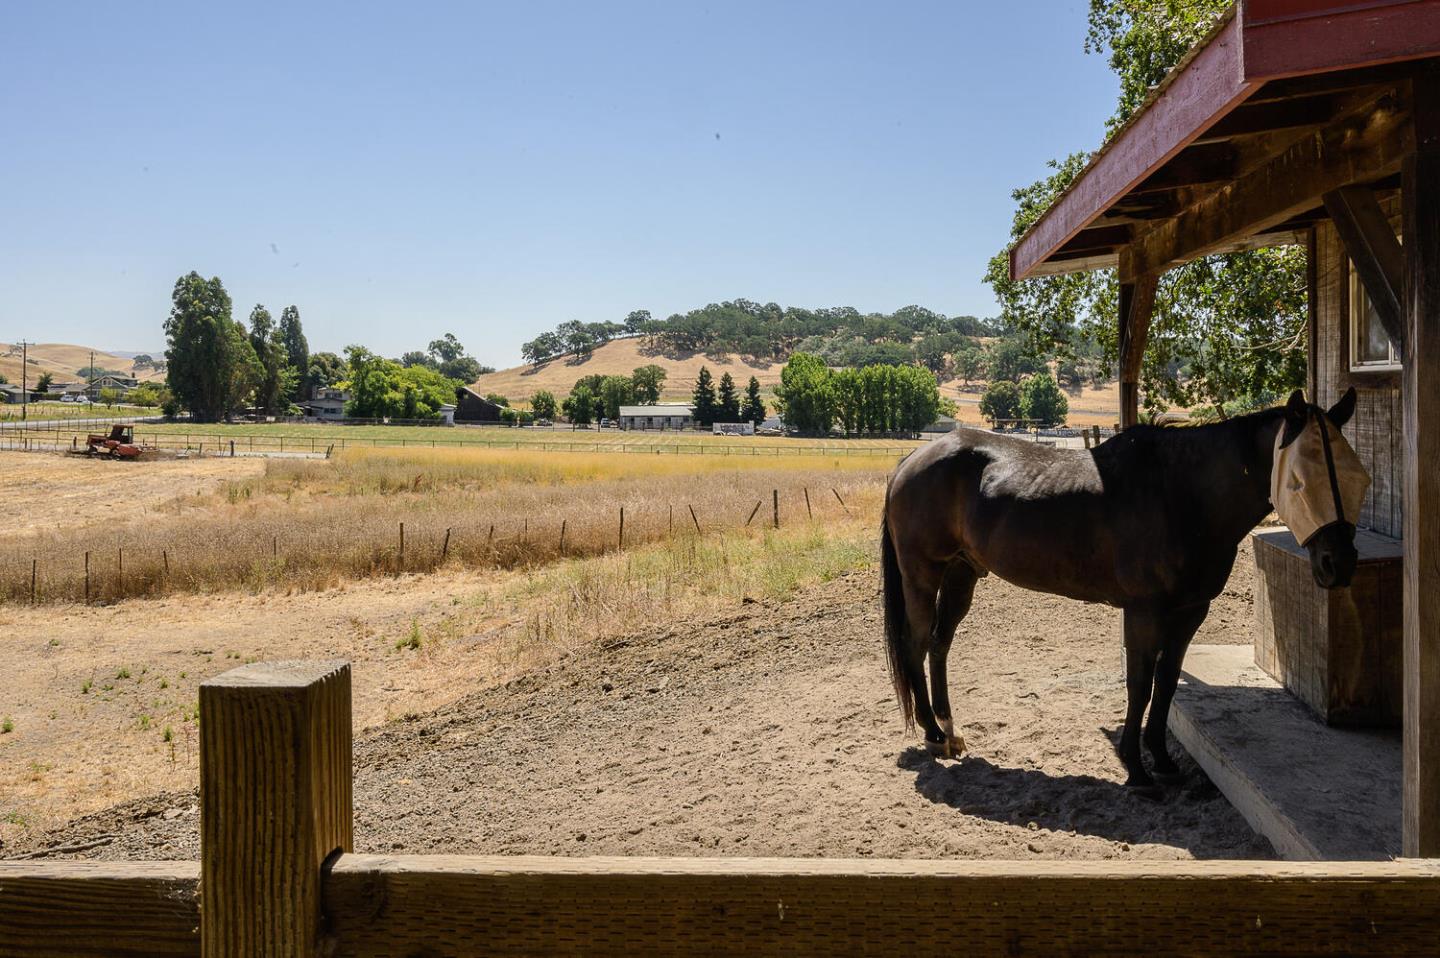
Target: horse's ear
{"x": 1343, "y": 409}
{"x": 1296, "y": 408}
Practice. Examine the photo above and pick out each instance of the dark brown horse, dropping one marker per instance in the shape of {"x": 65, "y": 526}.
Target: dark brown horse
{"x": 1148, "y": 521}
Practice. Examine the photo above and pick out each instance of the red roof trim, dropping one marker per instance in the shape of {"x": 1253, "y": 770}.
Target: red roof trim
{"x": 1201, "y": 93}
{"x": 1262, "y": 41}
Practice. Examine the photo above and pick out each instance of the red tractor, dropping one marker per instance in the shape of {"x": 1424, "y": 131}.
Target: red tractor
{"x": 119, "y": 444}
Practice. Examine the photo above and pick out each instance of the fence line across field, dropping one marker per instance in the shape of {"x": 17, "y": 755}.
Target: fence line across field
{"x": 151, "y": 572}
{"x": 222, "y": 445}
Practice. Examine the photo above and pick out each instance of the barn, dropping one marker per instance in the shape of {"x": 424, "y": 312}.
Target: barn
{"x": 1314, "y": 123}
{"x": 470, "y": 406}
{"x": 663, "y": 416}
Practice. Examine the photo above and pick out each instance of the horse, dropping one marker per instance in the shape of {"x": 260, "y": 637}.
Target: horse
{"x": 1148, "y": 521}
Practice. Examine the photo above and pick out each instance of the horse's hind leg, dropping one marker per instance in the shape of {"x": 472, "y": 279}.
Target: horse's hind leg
{"x": 1178, "y": 629}
{"x": 922, "y": 588}
{"x": 956, "y": 590}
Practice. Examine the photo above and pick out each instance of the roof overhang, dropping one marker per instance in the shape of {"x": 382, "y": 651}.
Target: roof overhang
{"x": 1274, "y": 75}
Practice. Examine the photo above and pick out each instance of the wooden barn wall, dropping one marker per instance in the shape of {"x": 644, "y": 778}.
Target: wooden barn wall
{"x": 1375, "y": 431}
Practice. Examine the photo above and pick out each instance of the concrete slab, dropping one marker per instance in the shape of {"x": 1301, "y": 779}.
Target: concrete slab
{"x": 1317, "y": 793}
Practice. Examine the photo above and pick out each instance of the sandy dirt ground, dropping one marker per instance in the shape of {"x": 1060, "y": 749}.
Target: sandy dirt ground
{"x": 767, "y": 730}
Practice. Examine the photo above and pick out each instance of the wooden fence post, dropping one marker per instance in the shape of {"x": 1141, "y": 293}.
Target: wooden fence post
{"x": 839, "y": 500}
{"x": 692, "y": 518}
{"x": 445, "y": 546}
{"x": 775, "y": 506}
{"x": 402, "y": 547}
{"x": 808, "y": 513}
{"x": 562, "y": 536}
{"x": 758, "y": 503}
{"x": 34, "y": 563}
{"x": 622, "y": 527}
{"x": 275, "y": 804}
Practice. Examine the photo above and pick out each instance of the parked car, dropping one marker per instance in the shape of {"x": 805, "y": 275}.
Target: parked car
{"x": 606, "y": 424}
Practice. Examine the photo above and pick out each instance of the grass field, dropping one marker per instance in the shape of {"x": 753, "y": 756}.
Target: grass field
{"x": 318, "y": 437}
{"x": 312, "y": 523}
{"x": 69, "y": 410}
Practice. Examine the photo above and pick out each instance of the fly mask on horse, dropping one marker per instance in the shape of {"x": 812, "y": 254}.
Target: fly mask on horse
{"x": 1318, "y": 484}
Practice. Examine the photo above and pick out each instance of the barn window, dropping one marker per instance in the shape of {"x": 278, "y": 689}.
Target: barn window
{"x": 1370, "y": 346}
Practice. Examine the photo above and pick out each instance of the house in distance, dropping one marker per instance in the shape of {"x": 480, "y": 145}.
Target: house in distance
{"x": 664, "y": 416}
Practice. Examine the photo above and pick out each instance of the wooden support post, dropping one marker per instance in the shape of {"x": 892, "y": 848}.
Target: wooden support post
{"x": 775, "y": 506}
{"x": 562, "y": 535}
{"x": 693, "y": 519}
{"x": 672, "y": 519}
{"x": 165, "y": 562}
{"x": 1374, "y": 251}
{"x": 445, "y": 546}
{"x": 839, "y": 500}
{"x": 622, "y": 527}
{"x": 808, "y": 513}
{"x": 1137, "y": 302}
{"x": 275, "y": 804}
{"x": 34, "y": 565}
{"x": 758, "y": 503}
{"x": 1420, "y": 399}
{"x": 402, "y": 546}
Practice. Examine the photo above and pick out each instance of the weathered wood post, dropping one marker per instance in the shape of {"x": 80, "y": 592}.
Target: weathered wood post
{"x": 693, "y": 518}
{"x": 34, "y": 564}
{"x": 775, "y": 506}
{"x": 622, "y": 527}
{"x": 758, "y": 503}
{"x": 562, "y": 535}
{"x": 808, "y": 513}
{"x": 445, "y": 546}
{"x": 1420, "y": 188}
{"x": 275, "y": 804}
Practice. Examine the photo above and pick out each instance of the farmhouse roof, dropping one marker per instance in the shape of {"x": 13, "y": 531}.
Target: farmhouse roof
{"x": 661, "y": 409}
{"x": 1274, "y": 78}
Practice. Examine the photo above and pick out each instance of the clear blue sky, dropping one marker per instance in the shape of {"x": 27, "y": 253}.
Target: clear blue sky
{"x": 401, "y": 170}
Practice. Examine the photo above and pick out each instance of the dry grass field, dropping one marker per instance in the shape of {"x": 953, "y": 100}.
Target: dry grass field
{"x": 99, "y": 703}
{"x": 311, "y": 524}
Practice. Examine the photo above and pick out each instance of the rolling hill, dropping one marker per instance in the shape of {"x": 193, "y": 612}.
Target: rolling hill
{"x": 62, "y": 360}
{"x": 620, "y": 357}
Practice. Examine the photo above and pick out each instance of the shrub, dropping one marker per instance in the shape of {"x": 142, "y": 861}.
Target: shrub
{"x": 1042, "y": 400}
{"x": 1000, "y": 401}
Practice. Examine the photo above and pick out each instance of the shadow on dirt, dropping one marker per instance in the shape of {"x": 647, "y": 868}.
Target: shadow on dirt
{"x": 1085, "y": 804}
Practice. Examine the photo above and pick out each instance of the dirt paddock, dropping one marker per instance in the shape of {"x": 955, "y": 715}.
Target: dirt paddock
{"x": 768, "y": 730}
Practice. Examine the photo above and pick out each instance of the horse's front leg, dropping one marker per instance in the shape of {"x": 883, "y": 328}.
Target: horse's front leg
{"x": 1142, "y": 648}
{"x": 1178, "y": 629}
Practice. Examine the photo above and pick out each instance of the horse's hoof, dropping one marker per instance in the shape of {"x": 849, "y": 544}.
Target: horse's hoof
{"x": 1147, "y": 790}
{"x": 952, "y": 747}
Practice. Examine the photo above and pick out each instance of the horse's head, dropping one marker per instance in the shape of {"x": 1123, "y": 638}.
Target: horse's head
{"x": 1318, "y": 484}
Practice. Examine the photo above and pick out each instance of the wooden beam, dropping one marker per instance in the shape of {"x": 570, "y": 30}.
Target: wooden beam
{"x": 1420, "y": 401}
{"x": 1137, "y": 304}
{"x": 1268, "y": 117}
{"x": 1195, "y": 166}
{"x": 1375, "y": 252}
{"x": 1366, "y": 143}
{"x": 508, "y": 905}
{"x": 275, "y": 803}
{"x": 83, "y": 909}
{"x": 1097, "y": 238}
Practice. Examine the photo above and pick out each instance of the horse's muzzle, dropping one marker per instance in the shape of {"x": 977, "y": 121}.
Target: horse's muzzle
{"x": 1332, "y": 555}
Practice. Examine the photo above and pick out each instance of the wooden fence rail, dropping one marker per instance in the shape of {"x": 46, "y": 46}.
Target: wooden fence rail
{"x": 279, "y": 878}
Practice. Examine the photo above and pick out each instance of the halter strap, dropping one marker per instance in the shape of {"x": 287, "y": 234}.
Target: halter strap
{"x": 1329, "y": 463}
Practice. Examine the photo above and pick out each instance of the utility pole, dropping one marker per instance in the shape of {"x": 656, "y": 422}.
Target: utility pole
{"x": 24, "y": 380}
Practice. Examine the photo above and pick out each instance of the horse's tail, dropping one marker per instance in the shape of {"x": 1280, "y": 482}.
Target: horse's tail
{"x": 896, "y": 624}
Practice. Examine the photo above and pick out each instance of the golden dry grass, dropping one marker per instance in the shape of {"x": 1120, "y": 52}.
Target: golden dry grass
{"x": 310, "y": 524}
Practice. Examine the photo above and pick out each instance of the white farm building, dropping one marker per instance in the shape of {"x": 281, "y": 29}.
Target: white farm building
{"x": 664, "y": 416}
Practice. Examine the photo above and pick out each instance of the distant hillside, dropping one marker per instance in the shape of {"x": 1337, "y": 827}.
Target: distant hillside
{"x": 62, "y": 360}
{"x": 620, "y": 357}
